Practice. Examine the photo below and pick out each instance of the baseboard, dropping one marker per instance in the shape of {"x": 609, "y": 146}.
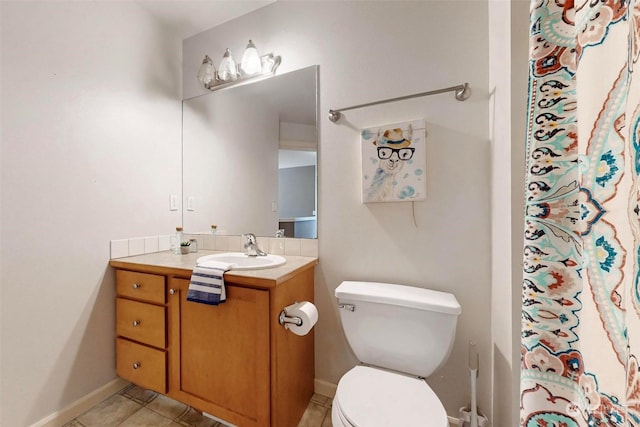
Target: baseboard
{"x": 324, "y": 388}
{"x": 65, "y": 415}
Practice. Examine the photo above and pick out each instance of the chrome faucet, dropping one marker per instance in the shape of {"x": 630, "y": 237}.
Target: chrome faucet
{"x": 251, "y": 245}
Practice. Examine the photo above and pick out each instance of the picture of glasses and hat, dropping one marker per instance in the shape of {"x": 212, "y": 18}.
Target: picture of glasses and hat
{"x": 394, "y": 162}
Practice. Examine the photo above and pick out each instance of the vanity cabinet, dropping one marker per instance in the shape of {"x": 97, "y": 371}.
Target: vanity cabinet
{"x": 233, "y": 361}
{"x": 141, "y": 347}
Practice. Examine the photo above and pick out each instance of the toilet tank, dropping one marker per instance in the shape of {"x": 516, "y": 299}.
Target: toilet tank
{"x": 403, "y": 328}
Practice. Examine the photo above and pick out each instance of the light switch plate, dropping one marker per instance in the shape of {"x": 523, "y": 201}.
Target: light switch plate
{"x": 173, "y": 202}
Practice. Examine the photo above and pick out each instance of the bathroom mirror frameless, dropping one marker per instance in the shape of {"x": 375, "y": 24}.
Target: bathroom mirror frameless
{"x": 249, "y": 158}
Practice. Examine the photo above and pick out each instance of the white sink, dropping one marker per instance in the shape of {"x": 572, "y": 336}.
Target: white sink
{"x": 240, "y": 261}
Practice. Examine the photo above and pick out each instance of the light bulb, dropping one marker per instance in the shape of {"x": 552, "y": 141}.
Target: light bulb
{"x": 207, "y": 72}
{"x": 228, "y": 70}
{"x": 251, "y": 63}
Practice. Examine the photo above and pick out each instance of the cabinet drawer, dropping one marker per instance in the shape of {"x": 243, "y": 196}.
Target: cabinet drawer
{"x": 142, "y": 365}
{"x": 142, "y": 286}
{"x": 140, "y": 321}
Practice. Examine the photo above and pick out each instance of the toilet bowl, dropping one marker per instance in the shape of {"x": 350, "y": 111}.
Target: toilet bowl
{"x": 401, "y": 335}
{"x": 372, "y": 397}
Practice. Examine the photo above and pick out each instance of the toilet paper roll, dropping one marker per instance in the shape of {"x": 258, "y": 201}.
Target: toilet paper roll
{"x": 305, "y": 311}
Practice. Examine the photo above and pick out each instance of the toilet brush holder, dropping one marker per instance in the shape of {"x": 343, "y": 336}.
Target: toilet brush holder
{"x": 465, "y": 418}
{"x": 471, "y": 417}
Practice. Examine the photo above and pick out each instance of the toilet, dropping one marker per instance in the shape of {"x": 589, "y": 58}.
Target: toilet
{"x": 401, "y": 335}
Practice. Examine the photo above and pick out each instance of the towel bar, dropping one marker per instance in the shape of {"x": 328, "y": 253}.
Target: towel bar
{"x": 462, "y": 93}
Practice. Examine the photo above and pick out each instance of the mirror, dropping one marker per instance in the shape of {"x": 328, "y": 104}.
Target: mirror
{"x": 250, "y": 157}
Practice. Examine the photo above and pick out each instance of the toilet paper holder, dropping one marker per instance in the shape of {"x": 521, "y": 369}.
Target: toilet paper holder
{"x": 284, "y": 318}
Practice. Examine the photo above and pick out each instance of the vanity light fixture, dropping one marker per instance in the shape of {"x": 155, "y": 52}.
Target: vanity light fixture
{"x": 251, "y": 63}
{"x": 253, "y": 66}
{"x": 207, "y": 72}
{"x": 228, "y": 70}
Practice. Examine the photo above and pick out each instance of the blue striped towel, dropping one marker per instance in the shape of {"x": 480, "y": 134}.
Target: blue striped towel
{"x": 207, "y": 283}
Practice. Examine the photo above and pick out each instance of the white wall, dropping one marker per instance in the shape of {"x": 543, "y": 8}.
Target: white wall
{"x": 369, "y": 51}
{"x": 508, "y": 35}
{"x": 90, "y": 143}
{"x": 501, "y": 262}
{"x": 519, "y": 106}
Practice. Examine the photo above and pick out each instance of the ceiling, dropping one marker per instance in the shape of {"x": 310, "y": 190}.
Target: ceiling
{"x": 190, "y": 17}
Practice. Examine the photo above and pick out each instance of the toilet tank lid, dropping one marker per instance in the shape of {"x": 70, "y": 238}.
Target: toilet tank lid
{"x": 406, "y": 296}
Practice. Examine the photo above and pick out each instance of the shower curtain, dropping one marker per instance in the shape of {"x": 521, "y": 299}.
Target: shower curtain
{"x": 581, "y": 289}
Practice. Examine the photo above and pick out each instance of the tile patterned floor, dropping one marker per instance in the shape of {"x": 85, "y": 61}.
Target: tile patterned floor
{"x": 136, "y": 407}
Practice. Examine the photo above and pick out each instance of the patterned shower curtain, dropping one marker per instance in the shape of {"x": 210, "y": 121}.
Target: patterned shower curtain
{"x": 581, "y": 289}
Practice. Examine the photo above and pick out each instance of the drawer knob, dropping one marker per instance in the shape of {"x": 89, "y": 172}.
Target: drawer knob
{"x": 136, "y": 365}
{"x": 136, "y": 323}
{"x": 172, "y": 291}
{"x": 136, "y": 286}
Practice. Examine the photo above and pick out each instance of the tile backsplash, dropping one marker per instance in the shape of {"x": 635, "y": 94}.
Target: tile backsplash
{"x": 273, "y": 245}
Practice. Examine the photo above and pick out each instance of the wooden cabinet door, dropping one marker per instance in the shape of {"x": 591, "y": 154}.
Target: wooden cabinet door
{"x": 219, "y": 356}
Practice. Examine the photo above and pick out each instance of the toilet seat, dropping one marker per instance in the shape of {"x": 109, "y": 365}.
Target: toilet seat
{"x": 373, "y": 397}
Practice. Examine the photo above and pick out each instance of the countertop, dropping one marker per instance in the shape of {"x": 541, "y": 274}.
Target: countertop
{"x": 170, "y": 264}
